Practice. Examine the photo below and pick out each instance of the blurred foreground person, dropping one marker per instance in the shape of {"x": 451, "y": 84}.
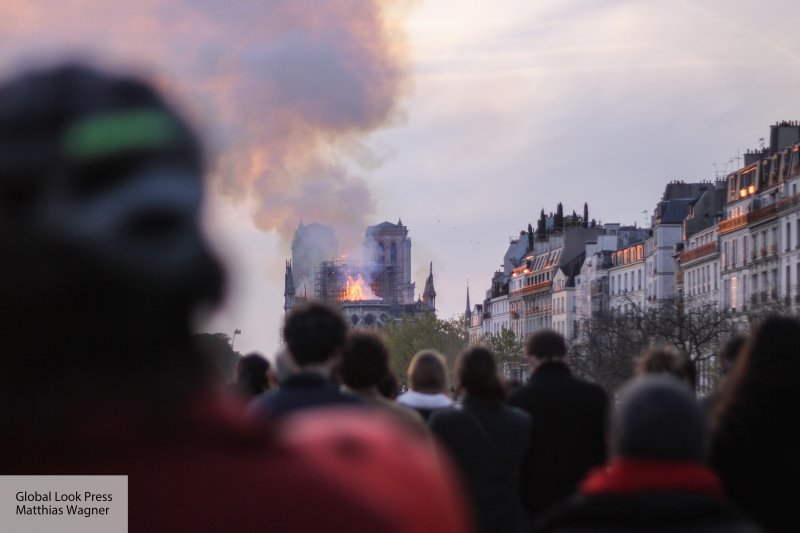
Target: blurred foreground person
{"x": 752, "y": 447}
{"x": 365, "y": 363}
{"x": 569, "y": 417}
{"x": 253, "y": 376}
{"x": 488, "y": 440}
{"x": 104, "y": 266}
{"x": 727, "y": 358}
{"x": 427, "y": 375}
{"x": 657, "y": 480}
{"x": 315, "y": 334}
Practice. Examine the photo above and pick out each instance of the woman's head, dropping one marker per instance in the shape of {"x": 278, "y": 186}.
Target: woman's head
{"x": 427, "y": 372}
{"x": 477, "y": 374}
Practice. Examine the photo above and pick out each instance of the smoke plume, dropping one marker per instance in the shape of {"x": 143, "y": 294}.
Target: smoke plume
{"x": 289, "y": 88}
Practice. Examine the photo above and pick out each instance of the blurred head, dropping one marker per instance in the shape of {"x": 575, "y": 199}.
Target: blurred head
{"x": 427, "y": 372}
{"x": 314, "y": 333}
{"x": 546, "y": 344}
{"x": 477, "y": 375}
{"x": 765, "y": 379}
{"x": 252, "y": 373}
{"x": 662, "y": 361}
{"x": 365, "y": 360}
{"x": 388, "y": 386}
{"x": 100, "y": 191}
{"x": 658, "y": 417}
{"x": 104, "y": 260}
{"x": 730, "y": 353}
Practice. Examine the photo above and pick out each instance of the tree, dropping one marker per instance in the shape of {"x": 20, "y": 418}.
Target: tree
{"x": 607, "y": 346}
{"x": 558, "y": 223}
{"x": 696, "y": 331}
{"x": 508, "y": 350}
{"x": 585, "y": 214}
{"x": 216, "y": 348}
{"x": 407, "y": 337}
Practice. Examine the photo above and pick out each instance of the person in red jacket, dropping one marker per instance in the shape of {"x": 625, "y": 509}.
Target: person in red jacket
{"x": 657, "y": 479}
{"x": 104, "y": 267}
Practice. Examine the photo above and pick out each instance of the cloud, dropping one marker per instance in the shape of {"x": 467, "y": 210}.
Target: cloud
{"x": 286, "y": 88}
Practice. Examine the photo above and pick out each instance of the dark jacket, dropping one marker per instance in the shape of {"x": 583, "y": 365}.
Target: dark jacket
{"x": 487, "y": 442}
{"x": 759, "y": 464}
{"x": 664, "y": 497}
{"x": 301, "y": 391}
{"x": 569, "y": 418}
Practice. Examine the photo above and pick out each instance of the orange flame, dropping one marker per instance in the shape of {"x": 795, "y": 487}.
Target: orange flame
{"x": 356, "y": 290}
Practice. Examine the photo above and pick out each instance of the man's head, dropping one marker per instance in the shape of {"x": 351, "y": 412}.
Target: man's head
{"x": 104, "y": 262}
{"x": 658, "y": 417}
{"x": 314, "y": 334}
{"x": 100, "y": 191}
{"x": 545, "y": 345}
{"x": 365, "y": 360}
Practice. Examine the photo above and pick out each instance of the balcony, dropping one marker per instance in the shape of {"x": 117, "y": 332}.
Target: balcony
{"x": 697, "y": 253}
{"x": 788, "y": 202}
{"x": 731, "y": 224}
{"x": 761, "y": 214}
{"x": 773, "y": 249}
{"x": 532, "y": 288}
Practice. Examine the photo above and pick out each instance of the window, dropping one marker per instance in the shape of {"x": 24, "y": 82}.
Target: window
{"x": 797, "y": 233}
{"x": 640, "y": 279}
{"x": 745, "y": 295}
{"x": 725, "y": 256}
{"x": 788, "y": 236}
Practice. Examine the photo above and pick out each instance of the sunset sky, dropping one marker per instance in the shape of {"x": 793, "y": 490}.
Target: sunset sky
{"x": 464, "y": 118}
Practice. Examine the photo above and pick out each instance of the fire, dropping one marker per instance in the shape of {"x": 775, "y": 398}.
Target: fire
{"x": 357, "y": 289}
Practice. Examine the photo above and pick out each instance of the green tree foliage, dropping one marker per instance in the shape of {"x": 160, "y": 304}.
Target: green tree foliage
{"x": 411, "y": 335}
{"x": 509, "y": 352}
{"x": 216, "y": 348}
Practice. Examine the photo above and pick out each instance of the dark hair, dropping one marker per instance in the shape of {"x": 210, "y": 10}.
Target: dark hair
{"x": 251, "y": 373}
{"x": 427, "y": 372}
{"x": 729, "y": 353}
{"x": 388, "y": 386}
{"x": 314, "y": 333}
{"x": 662, "y": 361}
{"x": 365, "y": 360}
{"x": 477, "y": 374}
{"x": 546, "y": 344}
{"x": 764, "y": 380}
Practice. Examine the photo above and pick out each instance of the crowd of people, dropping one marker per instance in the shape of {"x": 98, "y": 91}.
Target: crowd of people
{"x": 105, "y": 267}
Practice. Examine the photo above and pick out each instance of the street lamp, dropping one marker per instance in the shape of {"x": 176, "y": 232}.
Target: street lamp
{"x": 235, "y": 332}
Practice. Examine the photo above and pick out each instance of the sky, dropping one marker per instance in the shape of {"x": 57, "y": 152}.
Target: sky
{"x": 463, "y": 118}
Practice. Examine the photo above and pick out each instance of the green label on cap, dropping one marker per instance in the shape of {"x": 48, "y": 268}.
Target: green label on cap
{"x": 110, "y": 133}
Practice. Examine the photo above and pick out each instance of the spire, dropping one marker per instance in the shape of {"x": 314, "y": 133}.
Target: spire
{"x": 288, "y": 287}
{"x": 429, "y": 294}
{"x": 468, "y": 312}
{"x": 399, "y": 221}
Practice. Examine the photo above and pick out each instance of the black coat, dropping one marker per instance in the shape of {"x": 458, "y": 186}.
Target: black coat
{"x": 487, "y": 442}
{"x": 663, "y": 511}
{"x": 302, "y": 391}
{"x": 568, "y": 438}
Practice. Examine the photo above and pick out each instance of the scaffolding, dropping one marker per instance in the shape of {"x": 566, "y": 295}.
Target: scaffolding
{"x": 330, "y": 279}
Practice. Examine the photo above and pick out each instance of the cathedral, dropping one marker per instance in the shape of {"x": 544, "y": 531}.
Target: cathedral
{"x": 372, "y": 291}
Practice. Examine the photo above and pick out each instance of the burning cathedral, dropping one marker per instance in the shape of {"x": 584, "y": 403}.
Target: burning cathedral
{"x": 372, "y": 291}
